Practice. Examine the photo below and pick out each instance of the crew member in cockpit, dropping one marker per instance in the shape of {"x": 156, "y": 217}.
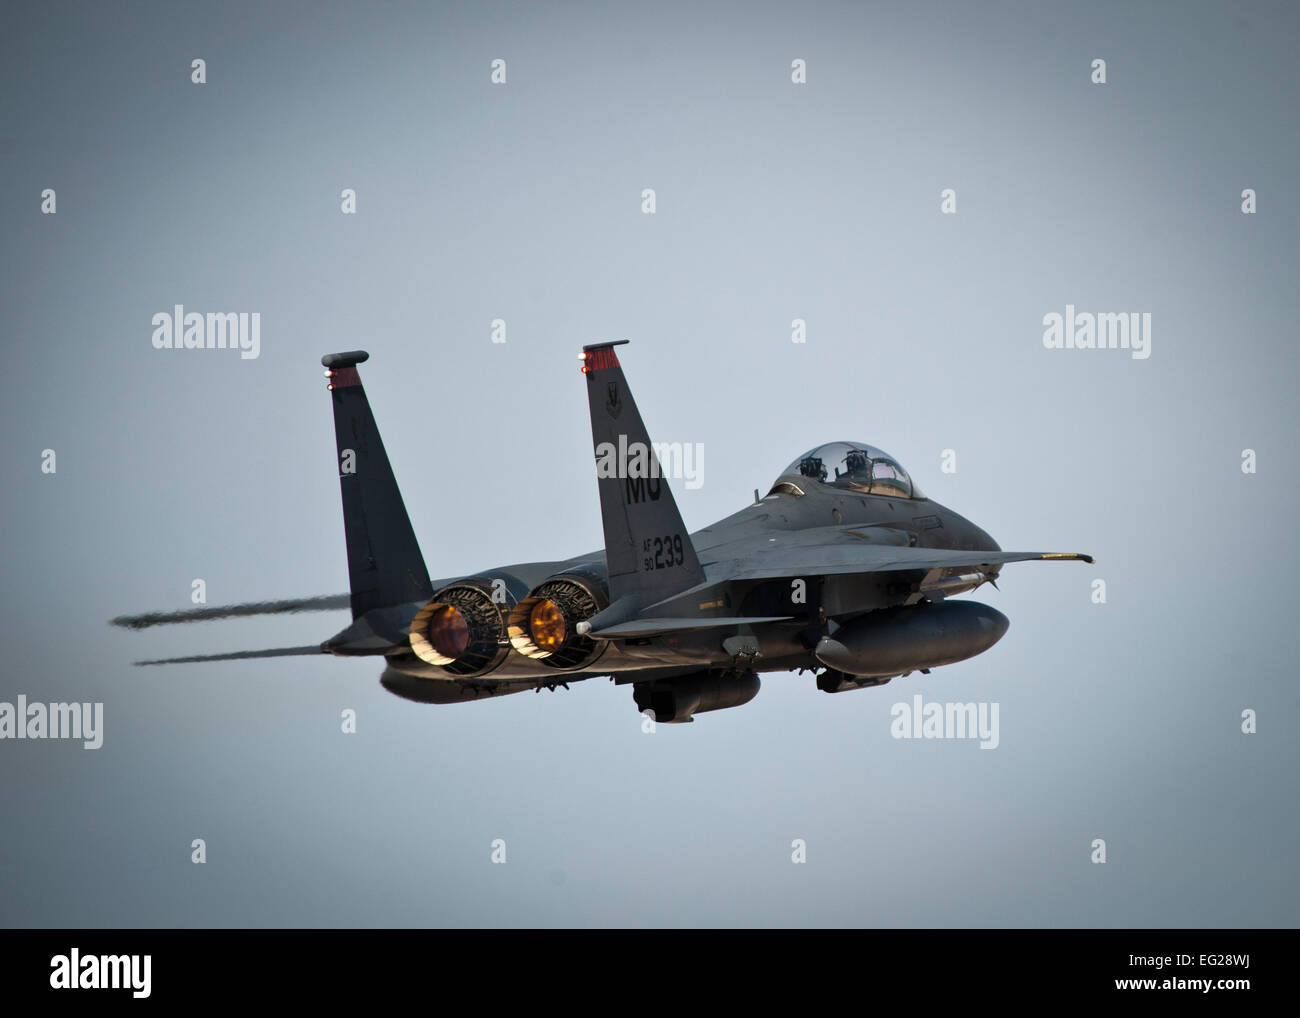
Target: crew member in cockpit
{"x": 857, "y": 466}
{"x": 813, "y": 467}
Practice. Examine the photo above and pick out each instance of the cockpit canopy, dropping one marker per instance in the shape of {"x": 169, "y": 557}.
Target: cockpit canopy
{"x": 853, "y": 466}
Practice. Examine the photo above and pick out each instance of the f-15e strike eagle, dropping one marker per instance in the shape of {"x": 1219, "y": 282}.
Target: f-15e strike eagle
{"x": 843, "y": 568}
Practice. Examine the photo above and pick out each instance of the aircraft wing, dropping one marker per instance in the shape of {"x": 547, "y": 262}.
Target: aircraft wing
{"x": 659, "y": 626}
{"x": 778, "y": 563}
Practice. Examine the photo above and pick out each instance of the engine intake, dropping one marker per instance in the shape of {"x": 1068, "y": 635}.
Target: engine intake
{"x": 461, "y": 629}
{"x": 543, "y": 626}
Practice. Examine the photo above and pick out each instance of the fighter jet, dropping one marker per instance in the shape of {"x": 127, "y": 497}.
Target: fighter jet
{"x": 844, "y": 568}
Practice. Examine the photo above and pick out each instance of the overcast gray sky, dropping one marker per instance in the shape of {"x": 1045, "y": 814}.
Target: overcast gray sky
{"x": 775, "y": 201}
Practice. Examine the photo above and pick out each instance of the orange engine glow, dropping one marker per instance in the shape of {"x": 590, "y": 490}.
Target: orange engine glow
{"x": 546, "y": 625}
{"x": 448, "y": 632}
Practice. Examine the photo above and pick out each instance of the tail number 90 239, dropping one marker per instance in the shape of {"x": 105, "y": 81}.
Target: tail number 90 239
{"x": 662, "y": 552}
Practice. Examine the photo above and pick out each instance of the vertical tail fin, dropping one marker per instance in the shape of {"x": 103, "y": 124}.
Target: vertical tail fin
{"x": 647, "y": 549}
{"x": 385, "y": 567}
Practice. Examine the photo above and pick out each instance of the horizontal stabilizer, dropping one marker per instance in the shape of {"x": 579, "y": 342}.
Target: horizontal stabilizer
{"x": 656, "y": 627}
{"x": 329, "y": 602}
{"x": 239, "y": 655}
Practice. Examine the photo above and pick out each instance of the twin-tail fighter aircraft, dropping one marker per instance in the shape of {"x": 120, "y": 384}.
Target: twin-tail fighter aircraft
{"x": 843, "y": 568}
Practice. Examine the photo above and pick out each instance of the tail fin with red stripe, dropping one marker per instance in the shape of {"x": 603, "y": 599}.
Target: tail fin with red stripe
{"x": 385, "y": 567}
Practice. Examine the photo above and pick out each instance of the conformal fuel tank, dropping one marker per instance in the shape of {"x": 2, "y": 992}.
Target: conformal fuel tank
{"x": 898, "y": 640}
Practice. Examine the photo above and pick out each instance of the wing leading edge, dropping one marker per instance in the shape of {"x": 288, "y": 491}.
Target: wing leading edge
{"x": 837, "y": 561}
